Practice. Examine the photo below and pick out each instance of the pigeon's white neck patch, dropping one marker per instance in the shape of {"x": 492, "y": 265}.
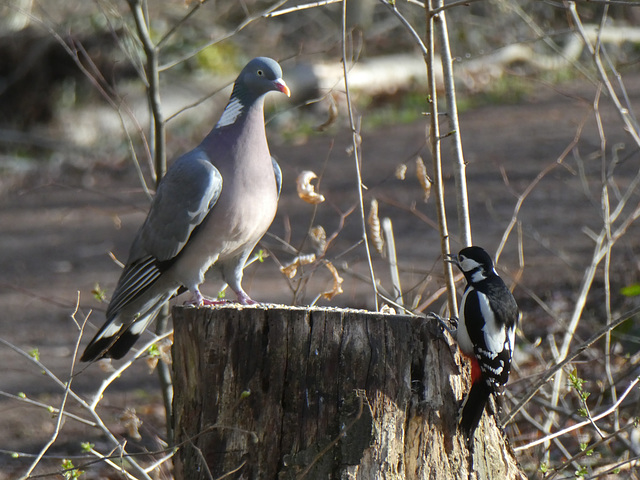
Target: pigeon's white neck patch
{"x": 231, "y": 113}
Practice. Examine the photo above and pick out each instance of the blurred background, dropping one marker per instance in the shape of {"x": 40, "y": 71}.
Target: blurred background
{"x": 544, "y": 142}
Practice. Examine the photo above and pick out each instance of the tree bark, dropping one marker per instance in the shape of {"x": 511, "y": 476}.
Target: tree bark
{"x": 274, "y": 392}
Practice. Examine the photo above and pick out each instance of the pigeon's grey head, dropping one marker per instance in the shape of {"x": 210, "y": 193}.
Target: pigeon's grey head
{"x": 261, "y": 75}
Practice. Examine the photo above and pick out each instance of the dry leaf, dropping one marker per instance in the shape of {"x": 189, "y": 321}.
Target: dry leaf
{"x": 105, "y": 365}
{"x": 306, "y": 191}
{"x": 401, "y": 171}
{"x": 358, "y": 141}
{"x": 131, "y": 423}
{"x": 319, "y": 238}
{"x": 423, "y": 178}
{"x": 374, "y": 226}
{"x": 165, "y": 350}
{"x": 333, "y": 114}
{"x": 337, "y": 283}
{"x": 387, "y": 309}
{"x": 161, "y": 351}
{"x": 291, "y": 269}
{"x": 152, "y": 363}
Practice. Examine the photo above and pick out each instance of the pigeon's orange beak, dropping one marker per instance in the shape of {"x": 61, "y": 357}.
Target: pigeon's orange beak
{"x": 282, "y": 87}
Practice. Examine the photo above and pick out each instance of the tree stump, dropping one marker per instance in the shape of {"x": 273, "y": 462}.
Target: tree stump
{"x": 275, "y": 392}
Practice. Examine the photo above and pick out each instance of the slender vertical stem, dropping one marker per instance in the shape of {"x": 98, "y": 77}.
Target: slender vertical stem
{"x": 356, "y": 153}
{"x": 606, "y": 215}
{"x": 390, "y": 242}
{"x": 164, "y": 374}
{"x": 153, "y": 87}
{"x": 141, "y": 17}
{"x": 434, "y": 143}
{"x": 459, "y": 171}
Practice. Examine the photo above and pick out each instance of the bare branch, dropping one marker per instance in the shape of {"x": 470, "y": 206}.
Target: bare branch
{"x": 607, "y": 412}
{"x": 355, "y": 139}
{"x": 434, "y": 143}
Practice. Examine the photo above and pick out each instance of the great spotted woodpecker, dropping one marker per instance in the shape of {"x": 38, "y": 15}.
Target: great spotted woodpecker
{"x": 486, "y": 331}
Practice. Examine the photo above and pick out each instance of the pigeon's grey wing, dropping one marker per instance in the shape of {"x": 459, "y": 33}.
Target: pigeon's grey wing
{"x": 185, "y": 196}
{"x": 278, "y": 174}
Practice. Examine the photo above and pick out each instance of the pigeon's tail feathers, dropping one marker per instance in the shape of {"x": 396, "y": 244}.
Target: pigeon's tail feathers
{"x": 127, "y": 338}
{"x": 473, "y": 408}
{"x": 105, "y": 337}
{"x": 118, "y": 334}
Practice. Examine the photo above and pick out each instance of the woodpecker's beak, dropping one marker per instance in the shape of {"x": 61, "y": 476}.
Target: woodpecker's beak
{"x": 282, "y": 87}
{"x": 452, "y": 258}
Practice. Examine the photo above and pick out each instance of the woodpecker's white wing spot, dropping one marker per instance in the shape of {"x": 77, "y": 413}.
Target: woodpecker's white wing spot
{"x": 487, "y": 353}
{"x": 495, "y": 371}
{"x": 511, "y": 340}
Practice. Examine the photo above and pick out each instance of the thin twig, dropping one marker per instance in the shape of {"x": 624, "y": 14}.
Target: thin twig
{"x": 115, "y": 466}
{"x": 459, "y": 165}
{"x": 229, "y": 34}
{"x": 355, "y": 139}
{"x": 153, "y": 88}
{"x": 63, "y": 403}
{"x": 116, "y": 374}
{"x": 109, "y": 95}
{"x": 387, "y": 228}
{"x": 434, "y": 143}
{"x": 605, "y": 239}
{"x": 550, "y": 372}
{"x": 49, "y": 408}
{"x": 174, "y": 28}
{"x": 298, "y": 8}
{"x": 559, "y": 433}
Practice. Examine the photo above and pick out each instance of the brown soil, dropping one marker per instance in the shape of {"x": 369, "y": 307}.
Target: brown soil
{"x": 57, "y": 234}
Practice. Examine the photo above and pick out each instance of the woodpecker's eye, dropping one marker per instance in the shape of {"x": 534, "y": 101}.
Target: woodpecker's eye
{"x": 260, "y": 73}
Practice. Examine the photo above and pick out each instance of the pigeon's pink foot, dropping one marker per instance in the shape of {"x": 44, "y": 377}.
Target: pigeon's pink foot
{"x": 199, "y": 300}
{"x": 243, "y": 299}
{"x": 210, "y": 301}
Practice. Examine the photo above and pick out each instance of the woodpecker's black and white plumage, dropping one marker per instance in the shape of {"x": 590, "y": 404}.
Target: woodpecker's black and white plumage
{"x": 486, "y": 331}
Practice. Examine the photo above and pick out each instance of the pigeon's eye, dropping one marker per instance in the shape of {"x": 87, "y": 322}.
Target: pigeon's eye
{"x": 260, "y": 73}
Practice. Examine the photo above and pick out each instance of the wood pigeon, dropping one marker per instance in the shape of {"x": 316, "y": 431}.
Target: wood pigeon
{"x": 210, "y": 210}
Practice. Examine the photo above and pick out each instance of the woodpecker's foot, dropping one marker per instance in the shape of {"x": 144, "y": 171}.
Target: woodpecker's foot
{"x": 450, "y": 325}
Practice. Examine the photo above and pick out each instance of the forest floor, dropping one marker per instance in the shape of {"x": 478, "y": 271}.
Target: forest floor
{"x": 59, "y": 227}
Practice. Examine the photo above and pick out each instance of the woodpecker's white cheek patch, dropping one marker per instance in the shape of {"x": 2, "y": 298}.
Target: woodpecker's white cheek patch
{"x": 231, "y": 113}
{"x": 478, "y": 276}
{"x": 466, "y": 264}
{"x": 494, "y": 335}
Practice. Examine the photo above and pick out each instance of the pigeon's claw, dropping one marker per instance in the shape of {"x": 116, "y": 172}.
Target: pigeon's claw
{"x": 244, "y": 299}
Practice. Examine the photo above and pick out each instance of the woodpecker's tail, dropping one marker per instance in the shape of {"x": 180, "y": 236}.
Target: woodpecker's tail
{"x": 473, "y": 407}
